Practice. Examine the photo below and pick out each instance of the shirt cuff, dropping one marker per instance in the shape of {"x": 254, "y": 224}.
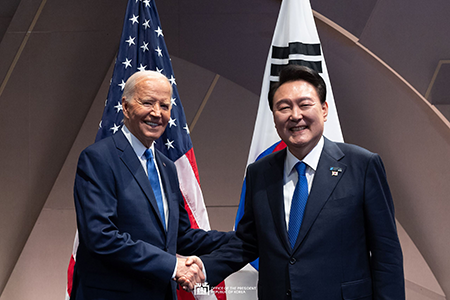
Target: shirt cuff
{"x": 175, "y": 270}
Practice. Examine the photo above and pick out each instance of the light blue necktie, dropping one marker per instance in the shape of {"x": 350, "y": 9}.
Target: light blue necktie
{"x": 298, "y": 203}
{"x": 154, "y": 181}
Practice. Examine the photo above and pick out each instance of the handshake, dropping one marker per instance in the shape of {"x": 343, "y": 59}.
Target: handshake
{"x": 189, "y": 272}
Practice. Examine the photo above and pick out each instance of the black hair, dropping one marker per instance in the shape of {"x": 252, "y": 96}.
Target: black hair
{"x": 296, "y": 72}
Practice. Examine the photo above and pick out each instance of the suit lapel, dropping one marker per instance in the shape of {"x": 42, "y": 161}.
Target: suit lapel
{"x": 323, "y": 185}
{"x": 169, "y": 193}
{"x": 129, "y": 158}
{"x": 274, "y": 183}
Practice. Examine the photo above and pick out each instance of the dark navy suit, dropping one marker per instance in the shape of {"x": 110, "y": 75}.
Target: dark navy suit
{"x": 347, "y": 246}
{"x": 124, "y": 251}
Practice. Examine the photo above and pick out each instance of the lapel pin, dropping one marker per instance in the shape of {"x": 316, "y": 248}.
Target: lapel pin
{"x": 335, "y": 171}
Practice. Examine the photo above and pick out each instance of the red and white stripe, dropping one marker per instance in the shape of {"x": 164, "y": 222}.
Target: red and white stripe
{"x": 192, "y": 193}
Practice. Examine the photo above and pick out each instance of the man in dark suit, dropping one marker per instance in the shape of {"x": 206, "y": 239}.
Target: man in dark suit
{"x": 330, "y": 234}
{"x": 131, "y": 226}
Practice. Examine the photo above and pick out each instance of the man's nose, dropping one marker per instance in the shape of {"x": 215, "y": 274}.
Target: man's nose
{"x": 156, "y": 110}
{"x": 296, "y": 113}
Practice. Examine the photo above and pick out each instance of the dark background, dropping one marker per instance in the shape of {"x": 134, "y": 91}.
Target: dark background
{"x": 389, "y": 65}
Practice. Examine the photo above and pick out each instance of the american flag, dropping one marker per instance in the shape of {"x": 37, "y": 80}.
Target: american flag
{"x": 142, "y": 47}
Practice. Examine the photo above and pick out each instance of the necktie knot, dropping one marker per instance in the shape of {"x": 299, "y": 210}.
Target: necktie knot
{"x": 148, "y": 154}
{"x": 301, "y": 168}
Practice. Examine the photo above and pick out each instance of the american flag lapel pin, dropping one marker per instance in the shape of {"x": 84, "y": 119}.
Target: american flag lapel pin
{"x": 335, "y": 171}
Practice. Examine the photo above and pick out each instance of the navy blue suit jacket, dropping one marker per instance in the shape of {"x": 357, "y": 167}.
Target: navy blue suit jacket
{"x": 124, "y": 251}
{"x": 347, "y": 246}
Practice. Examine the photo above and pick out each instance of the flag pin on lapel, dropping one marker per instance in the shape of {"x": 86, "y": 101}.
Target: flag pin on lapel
{"x": 335, "y": 171}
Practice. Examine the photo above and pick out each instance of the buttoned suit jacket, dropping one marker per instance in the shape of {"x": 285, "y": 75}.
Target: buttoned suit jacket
{"x": 347, "y": 246}
{"x": 124, "y": 251}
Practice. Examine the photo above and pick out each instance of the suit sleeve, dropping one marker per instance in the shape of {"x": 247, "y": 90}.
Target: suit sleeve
{"x": 384, "y": 245}
{"x": 242, "y": 248}
{"x": 193, "y": 241}
{"x": 198, "y": 241}
{"x": 96, "y": 206}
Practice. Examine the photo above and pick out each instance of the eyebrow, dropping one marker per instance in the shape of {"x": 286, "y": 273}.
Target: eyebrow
{"x": 284, "y": 100}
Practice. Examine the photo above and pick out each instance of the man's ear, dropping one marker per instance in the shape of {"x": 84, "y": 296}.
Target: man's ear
{"x": 125, "y": 107}
{"x": 325, "y": 111}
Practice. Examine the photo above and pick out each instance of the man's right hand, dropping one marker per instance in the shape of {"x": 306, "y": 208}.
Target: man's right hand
{"x": 189, "y": 272}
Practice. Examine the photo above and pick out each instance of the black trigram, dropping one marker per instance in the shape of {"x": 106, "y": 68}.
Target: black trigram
{"x": 283, "y": 53}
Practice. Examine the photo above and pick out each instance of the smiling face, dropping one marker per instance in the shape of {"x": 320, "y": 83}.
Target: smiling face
{"x": 146, "y": 115}
{"x": 299, "y": 116}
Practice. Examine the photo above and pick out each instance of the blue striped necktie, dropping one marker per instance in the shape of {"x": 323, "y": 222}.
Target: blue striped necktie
{"x": 298, "y": 203}
{"x": 154, "y": 181}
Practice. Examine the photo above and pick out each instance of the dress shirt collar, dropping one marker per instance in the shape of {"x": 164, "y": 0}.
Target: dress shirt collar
{"x": 136, "y": 144}
{"x": 311, "y": 159}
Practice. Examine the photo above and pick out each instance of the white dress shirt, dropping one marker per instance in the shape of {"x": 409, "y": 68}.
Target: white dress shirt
{"x": 140, "y": 149}
{"x": 290, "y": 176}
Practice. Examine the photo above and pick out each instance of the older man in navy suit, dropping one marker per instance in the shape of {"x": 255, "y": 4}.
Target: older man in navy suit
{"x": 319, "y": 215}
{"x": 130, "y": 211}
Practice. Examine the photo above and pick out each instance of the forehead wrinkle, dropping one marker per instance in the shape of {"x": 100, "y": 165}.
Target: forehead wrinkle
{"x": 151, "y": 92}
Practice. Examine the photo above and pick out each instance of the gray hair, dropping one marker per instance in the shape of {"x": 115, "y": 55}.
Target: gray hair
{"x": 130, "y": 85}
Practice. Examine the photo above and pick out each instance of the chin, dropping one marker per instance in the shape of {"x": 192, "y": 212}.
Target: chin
{"x": 152, "y": 138}
{"x": 299, "y": 141}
